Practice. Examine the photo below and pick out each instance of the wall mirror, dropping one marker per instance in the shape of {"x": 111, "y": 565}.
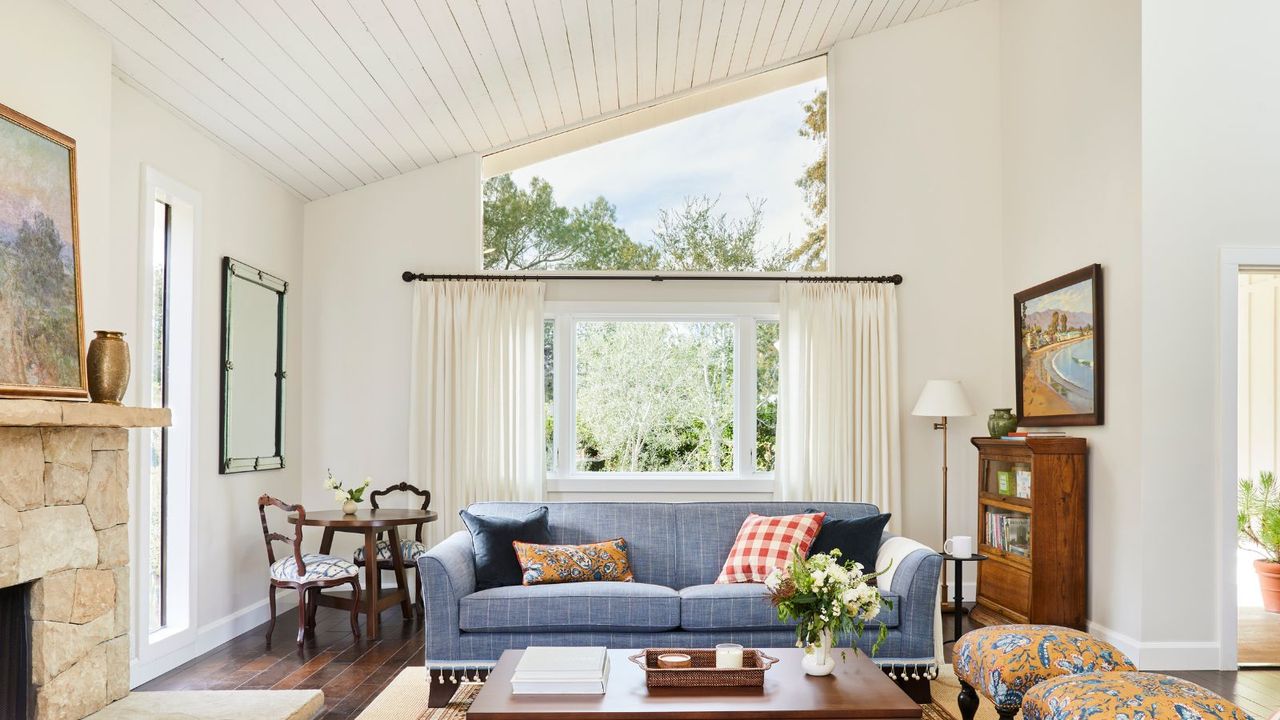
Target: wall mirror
{"x": 253, "y": 375}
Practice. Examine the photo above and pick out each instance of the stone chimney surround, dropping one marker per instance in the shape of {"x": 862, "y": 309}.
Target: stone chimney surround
{"x": 64, "y": 512}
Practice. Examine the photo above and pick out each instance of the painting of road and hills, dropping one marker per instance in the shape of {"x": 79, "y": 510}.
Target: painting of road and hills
{"x": 1057, "y": 350}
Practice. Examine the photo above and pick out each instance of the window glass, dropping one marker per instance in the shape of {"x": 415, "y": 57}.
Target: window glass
{"x": 766, "y": 394}
{"x": 654, "y": 396}
{"x": 742, "y": 187}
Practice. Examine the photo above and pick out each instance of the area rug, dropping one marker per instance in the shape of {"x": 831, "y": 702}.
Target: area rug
{"x": 405, "y": 698}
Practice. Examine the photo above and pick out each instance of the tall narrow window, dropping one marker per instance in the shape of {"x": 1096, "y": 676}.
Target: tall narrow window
{"x": 158, "y": 388}
{"x": 161, "y": 518}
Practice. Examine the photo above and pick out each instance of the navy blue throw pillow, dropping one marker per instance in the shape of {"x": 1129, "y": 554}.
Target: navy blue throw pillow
{"x": 491, "y": 536}
{"x": 858, "y": 540}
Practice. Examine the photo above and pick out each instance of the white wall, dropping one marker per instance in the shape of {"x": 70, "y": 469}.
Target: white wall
{"x": 915, "y": 189}
{"x": 1070, "y": 119}
{"x": 59, "y": 72}
{"x": 1211, "y": 176}
{"x": 918, "y": 197}
{"x": 356, "y": 321}
{"x": 252, "y": 218}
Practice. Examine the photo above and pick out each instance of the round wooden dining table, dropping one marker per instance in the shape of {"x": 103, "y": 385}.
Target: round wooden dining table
{"x": 371, "y": 524}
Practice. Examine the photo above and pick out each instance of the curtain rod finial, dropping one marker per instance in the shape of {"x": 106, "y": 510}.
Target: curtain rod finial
{"x": 408, "y": 276}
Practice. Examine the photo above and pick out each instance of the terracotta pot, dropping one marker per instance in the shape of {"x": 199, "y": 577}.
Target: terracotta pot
{"x": 108, "y": 361}
{"x": 1269, "y": 581}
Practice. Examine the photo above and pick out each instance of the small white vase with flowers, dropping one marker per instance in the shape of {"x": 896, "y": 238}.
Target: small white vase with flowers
{"x": 825, "y": 598}
{"x": 349, "y": 497}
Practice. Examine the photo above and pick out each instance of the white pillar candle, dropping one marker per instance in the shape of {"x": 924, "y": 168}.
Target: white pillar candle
{"x": 728, "y": 655}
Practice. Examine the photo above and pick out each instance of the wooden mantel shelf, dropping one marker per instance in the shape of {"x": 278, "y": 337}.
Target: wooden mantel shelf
{"x": 60, "y": 413}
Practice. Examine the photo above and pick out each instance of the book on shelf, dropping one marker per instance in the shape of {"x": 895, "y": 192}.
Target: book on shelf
{"x": 1008, "y": 532}
{"x": 561, "y": 671}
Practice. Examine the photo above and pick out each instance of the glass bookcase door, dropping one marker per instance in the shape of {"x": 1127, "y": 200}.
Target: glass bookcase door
{"x": 1007, "y": 479}
{"x": 1007, "y": 531}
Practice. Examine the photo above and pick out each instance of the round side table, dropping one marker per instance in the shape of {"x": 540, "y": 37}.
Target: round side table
{"x": 957, "y": 565}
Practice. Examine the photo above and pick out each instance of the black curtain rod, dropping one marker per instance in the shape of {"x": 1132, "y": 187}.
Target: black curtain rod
{"x": 410, "y": 276}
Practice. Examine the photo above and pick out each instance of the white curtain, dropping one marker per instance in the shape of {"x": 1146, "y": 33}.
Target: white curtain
{"x": 838, "y": 395}
{"x": 476, "y": 408}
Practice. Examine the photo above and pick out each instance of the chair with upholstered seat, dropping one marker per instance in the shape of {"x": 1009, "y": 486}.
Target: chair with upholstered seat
{"x": 307, "y": 573}
{"x": 410, "y": 549}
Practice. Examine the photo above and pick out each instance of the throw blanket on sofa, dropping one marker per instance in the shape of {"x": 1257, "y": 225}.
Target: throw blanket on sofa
{"x": 891, "y": 556}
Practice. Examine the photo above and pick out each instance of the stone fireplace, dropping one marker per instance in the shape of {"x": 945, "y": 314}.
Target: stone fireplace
{"x": 64, "y": 511}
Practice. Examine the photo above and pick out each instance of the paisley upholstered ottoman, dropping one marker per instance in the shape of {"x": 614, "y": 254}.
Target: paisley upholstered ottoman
{"x": 1003, "y": 662}
{"x": 1129, "y": 695}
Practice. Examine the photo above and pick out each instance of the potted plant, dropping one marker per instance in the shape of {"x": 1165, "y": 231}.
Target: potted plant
{"x": 1258, "y": 520}
{"x": 349, "y": 497}
{"x": 825, "y": 597}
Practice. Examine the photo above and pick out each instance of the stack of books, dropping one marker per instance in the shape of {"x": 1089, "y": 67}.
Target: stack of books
{"x": 561, "y": 671}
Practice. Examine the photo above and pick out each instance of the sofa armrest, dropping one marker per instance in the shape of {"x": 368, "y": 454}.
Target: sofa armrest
{"x": 448, "y": 574}
{"x": 914, "y": 577}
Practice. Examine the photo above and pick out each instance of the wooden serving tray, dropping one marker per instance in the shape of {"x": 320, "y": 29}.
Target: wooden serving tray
{"x": 704, "y": 672}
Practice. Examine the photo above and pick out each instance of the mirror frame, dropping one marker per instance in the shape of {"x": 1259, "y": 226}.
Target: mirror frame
{"x": 235, "y": 269}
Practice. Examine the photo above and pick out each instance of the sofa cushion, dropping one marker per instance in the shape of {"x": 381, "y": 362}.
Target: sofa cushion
{"x": 600, "y": 562}
{"x": 765, "y": 542}
{"x": 745, "y": 606}
{"x": 651, "y": 545}
{"x": 491, "y": 536}
{"x": 705, "y": 531}
{"x": 857, "y": 539}
{"x": 572, "y": 607}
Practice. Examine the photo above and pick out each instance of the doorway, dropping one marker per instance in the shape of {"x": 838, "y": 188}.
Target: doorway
{"x": 1257, "y": 453}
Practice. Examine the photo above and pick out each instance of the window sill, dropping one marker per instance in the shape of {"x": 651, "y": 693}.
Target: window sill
{"x": 660, "y": 483}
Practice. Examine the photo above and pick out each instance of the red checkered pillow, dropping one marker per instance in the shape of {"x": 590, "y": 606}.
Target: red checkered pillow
{"x": 764, "y": 543}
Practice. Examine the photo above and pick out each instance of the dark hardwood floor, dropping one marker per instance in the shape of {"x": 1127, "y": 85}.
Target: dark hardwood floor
{"x": 351, "y": 672}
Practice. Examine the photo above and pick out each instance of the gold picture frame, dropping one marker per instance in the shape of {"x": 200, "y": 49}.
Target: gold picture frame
{"x": 41, "y": 299}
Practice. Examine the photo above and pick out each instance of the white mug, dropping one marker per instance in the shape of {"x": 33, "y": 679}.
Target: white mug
{"x": 960, "y": 546}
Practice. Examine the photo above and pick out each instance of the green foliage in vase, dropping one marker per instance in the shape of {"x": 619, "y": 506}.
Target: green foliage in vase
{"x": 823, "y": 595}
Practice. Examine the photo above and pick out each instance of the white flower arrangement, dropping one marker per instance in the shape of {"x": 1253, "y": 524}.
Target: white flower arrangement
{"x": 826, "y": 596}
{"x": 355, "y": 494}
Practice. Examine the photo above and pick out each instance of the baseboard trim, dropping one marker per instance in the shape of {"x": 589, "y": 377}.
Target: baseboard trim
{"x": 208, "y": 637}
{"x": 1161, "y": 655}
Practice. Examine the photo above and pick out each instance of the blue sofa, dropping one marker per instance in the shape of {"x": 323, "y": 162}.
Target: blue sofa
{"x": 676, "y": 551}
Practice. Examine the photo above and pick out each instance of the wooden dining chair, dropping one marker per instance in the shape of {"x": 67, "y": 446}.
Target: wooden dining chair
{"x": 307, "y": 573}
{"x": 410, "y": 550}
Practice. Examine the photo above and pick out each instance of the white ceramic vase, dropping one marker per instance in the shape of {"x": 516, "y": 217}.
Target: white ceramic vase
{"x": 349, "y": 507}
{"x": 818, "y": 659}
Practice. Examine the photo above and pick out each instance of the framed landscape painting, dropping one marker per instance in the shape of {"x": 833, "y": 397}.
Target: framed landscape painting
{"x": 41, "y": 322}
{"x": 1058, "y": 331}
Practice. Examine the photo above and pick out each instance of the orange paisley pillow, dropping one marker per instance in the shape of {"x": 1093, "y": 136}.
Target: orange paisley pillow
{"x": 603, "y": 561}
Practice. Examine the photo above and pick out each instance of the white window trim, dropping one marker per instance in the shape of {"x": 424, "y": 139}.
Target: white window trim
{"x": 151, "y": 648}
{"x": 565, "y": 477}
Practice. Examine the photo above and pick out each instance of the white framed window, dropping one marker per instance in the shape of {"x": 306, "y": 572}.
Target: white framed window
{"x": 729, "y": 179}
{"x": 661, "y": 397}
{"x": 163, "y": 524}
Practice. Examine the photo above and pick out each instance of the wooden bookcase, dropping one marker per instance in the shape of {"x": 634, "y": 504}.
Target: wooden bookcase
{"x": 1037, "y": 568}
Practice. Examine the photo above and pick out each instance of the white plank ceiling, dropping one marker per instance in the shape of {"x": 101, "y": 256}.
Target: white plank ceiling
{"x": 328, "y": 95}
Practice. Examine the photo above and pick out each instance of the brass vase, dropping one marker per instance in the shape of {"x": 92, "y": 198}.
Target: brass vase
{"x": 108, "y": 363}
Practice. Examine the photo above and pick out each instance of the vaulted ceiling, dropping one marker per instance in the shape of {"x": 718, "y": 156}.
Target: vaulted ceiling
{"x": 328, "y": 95}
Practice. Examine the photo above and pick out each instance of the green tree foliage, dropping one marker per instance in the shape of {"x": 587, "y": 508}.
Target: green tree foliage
{"x": 811, "y": 254}
{"x": 526, "y": 229}
{"x": 696, "y": 237}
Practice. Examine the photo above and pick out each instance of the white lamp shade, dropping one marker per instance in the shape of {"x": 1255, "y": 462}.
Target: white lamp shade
{"x": 942, "y": 398}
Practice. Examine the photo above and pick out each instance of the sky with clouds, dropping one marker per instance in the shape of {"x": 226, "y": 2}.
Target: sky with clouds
{"x": 749, "y": 149}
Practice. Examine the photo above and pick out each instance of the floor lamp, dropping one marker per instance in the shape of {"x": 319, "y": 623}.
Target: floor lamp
{"x": 943, "y": 399}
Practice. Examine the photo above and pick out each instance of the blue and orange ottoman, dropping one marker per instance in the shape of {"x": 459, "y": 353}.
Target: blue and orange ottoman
{"x": 1003, "y": 662}
{"x": 1130, "y": 695}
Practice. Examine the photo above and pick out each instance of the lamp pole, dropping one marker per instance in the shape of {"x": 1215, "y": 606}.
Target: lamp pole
{"x": 943, "y": 427}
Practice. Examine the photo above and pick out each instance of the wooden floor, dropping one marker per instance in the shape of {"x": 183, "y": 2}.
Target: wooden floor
{"x": 1259, "y": 636}
{"x": 352, "y": 672}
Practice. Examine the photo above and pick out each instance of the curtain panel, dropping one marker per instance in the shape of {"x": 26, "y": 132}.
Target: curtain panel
{"x": 838, "y": 396}
{"x": 476, "y": 395}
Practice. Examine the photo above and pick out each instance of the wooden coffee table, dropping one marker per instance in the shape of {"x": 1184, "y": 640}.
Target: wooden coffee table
{"x": 857, "y": 689}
